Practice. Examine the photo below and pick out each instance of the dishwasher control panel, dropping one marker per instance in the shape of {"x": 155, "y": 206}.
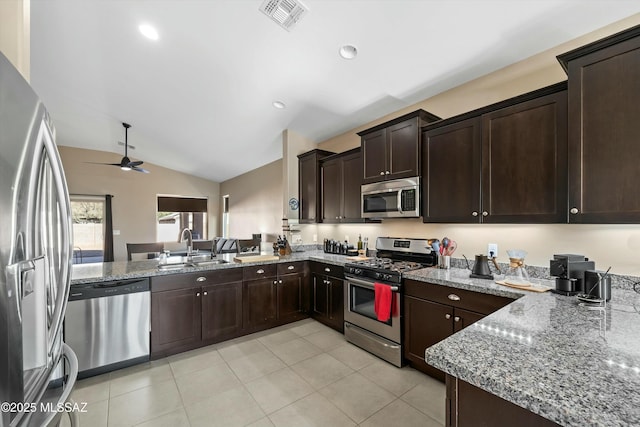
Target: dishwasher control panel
{"x": 106, "y": 289}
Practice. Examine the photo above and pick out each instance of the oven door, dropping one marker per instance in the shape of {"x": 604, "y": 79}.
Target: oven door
{"x": 359, "y": 300}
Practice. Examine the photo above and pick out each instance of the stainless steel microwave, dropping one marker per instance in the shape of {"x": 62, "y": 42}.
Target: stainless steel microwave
{"x": 398, "y": 198}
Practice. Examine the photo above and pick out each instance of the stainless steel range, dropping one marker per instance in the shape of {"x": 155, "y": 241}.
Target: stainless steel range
{"x": 365, "y": 325}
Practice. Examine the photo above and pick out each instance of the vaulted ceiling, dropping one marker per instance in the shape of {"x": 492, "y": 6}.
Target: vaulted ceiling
{"x": 199, "y": 98}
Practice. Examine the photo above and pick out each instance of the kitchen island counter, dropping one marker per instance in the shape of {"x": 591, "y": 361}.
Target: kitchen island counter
{"x": 123, "y": 270}
{"x": 569, "y": 363}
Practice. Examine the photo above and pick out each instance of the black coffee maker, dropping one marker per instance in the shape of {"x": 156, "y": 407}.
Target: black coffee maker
{"x": 569, "y": 270}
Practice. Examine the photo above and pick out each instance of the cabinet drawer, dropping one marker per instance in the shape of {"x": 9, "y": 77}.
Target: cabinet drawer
{"x": 291, "y": 267}
{"x": 468, "y": 300}
{"x": 187, "y": 280}
{"x": 259, "y": 271}
{"x": 327, "y": 269}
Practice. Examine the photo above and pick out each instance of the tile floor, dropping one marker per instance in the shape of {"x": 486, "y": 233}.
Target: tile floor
{"x": 301, "y": 374}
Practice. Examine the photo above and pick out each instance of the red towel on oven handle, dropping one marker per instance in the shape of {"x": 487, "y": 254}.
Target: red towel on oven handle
{"x": 383, "y": 300}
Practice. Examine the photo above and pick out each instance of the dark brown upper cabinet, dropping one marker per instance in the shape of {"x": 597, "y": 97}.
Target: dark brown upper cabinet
{"x": 309, "y": 195}
{"x": 392, "y": 150}
{"x": 604, "y": 129}
{"x": 341, "y": 177}
{"x": 505, "y": 163}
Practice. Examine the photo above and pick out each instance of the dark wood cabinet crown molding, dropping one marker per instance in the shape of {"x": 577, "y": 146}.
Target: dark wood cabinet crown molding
{"x": 421, "y": 114}
{"x": 597, "y": 45}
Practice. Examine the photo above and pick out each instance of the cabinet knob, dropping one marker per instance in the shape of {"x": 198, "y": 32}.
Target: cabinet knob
{"x": 205, "y": 293}
{"x": 387, "y": 173}
{"x": 485, "y": 213}
{"x": 453, "y": 297}
{"x": 474, "y": 213}
{"x": 337, "y": 218}
{"x": 201, "y": 279}
{"x": 280, "y": 281}
{"x": 381, "y": 173}
{"x": 261, "y": 271}
{"x": 447, "y": 316}
{"x": 275, "y": 282}
{"x": 197, "y": 294}
{"x": 327, "y": 269}
{"x": 456, "y": 319}
{"x": 291, "y": 267}
{"x": 574, "y": 211}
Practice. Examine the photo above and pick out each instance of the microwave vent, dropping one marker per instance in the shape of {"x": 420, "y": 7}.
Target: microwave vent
{"x": 285, "y": 13}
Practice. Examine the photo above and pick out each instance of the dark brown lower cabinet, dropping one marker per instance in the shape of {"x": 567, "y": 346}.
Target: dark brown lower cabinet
{"x": 435, "y": 312}
{"x": 260, "y": 301}
{"x": 175, "y": 319}
{"x": 327, "y": 295}
{"x": 194, "y": 309}
{"x": 470, "y": 406}
{"x": 191, "y": 310}
{"x": 221, "y": 311}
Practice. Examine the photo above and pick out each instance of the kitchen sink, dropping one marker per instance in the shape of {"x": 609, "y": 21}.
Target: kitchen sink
{"x": 178, "y": 262}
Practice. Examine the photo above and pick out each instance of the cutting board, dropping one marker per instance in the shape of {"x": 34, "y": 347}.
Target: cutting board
{"x": 256, "y": 258}
{"x": 358, "y": 258}
{"x": 530, "y": 287}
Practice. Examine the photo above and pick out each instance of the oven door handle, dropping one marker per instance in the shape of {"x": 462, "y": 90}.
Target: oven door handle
{"x": 369, "y": 285}
{"x": 400, "y": 201}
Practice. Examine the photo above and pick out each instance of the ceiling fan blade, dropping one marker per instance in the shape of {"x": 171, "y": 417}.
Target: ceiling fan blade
{"x": 137, "y": 169}
{"x": 134, "y": 164}
{"x": 108, "y": 164}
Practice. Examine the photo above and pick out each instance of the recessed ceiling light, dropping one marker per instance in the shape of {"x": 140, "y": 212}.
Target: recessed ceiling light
{"x": 279, "y": 105}
{"x": 348, "y": 51}
{"x": 148, "y": 31}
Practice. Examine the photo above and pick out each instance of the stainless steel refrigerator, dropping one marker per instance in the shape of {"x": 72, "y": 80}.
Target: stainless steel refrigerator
{"x": 37, "y": 370}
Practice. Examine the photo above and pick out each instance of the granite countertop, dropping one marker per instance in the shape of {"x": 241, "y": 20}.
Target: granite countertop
{"x": 572, "y": 364}
{"x": 122, "y": 270}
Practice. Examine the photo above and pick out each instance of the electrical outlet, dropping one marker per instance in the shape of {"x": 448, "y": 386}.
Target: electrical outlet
{"x": 315, "y": 238}
{"x": 492, "y": 250}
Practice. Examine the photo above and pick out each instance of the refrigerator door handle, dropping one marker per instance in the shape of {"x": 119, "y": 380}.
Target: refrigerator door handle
{"x": 57, "y": 199}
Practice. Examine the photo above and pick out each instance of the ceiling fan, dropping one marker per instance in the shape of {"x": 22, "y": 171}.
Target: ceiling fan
{"x": 126, "y": 164}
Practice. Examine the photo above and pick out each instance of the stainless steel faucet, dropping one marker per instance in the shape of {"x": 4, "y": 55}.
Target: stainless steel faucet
{"x": 189, "y": 242}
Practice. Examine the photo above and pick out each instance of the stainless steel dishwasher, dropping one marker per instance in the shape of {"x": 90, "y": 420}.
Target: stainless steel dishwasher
{"x": 107, "y": 325}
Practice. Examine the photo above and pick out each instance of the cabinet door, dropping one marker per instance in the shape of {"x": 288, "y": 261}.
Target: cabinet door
{"x": 374, "y": 156}
{"x": 524, "y": 158}
{"x": 290, "y": 306}
{"x": 351, "y": 182}
{"x": 175, "y": 319}
{"x": 403, "y": 152}
{"x": 425, "y": 324}
{"x": 260, "y": 302}
{"x": 308, "y": 191}
{"x": 451, "y": 173}
{"x": 319, "y": 297}
{"x": 336, "y": 303}
{"x": 332, "y": 191}
{"x": 221, "y": 311}
{"x": 604, "y": 131}
{"x": 463, "y": 318}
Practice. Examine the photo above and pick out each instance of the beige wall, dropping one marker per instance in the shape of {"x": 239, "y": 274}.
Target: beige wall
{"x": 255, "y": 201}
{"x": 615, "y": 245}
{"x": 15, "y": 33}
{"x": 135, "y": 194}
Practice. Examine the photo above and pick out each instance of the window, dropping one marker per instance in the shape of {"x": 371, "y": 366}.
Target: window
{"x": 87, "y": 214}
{"x": 178, "y": 213}
{"x": 225, "y": 216}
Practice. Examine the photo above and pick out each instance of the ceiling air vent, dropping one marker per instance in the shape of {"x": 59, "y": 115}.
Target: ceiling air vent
{"x": 286, "y": 13}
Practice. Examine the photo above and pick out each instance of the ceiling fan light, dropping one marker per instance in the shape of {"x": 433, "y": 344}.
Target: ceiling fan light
{"x": 125, "y": 168}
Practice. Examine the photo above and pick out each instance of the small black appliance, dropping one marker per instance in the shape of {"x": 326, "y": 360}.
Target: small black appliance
{"x": 569, "y": 270}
